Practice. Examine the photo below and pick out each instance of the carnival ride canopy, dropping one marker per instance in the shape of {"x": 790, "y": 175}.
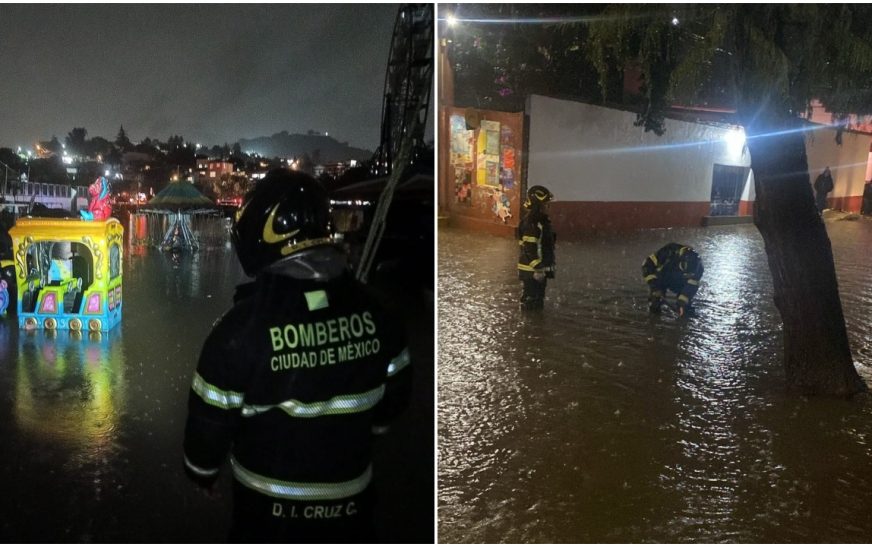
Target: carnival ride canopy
{"x": 180, "y": 195}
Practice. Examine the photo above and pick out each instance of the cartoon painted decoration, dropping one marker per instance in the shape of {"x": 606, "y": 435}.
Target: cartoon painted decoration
{"x": 502, "y": 206}
{"x": 68, "y": 273}
{"x": 49, "y": 303}
{"x": 99, "y": 207}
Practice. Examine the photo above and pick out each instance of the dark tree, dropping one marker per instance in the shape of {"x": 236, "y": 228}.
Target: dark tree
{"x": 175, "y": 142}
{"x": 147, "y": 146}
{"x": 98, "y": 146}
{"x": 48, "y": 170}
{"x": 52, "y": 146}
{"x": 88, "y": 172}
{"x": 524, "y": 49}
{"x": 76, "y": 140}
{"x": 12, "y": 160}
{"x": 122, "y": 142}
{"x": 779, "y": 56}
{"x": 114, "y": 157}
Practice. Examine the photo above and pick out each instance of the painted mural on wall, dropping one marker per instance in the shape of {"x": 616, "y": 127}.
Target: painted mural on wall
{"x": 483, "y": 164}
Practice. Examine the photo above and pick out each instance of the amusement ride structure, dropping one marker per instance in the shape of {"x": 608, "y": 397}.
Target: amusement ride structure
{"x": 406, "y": 102}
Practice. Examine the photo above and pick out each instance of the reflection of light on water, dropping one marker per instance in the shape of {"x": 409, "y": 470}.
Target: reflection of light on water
{"x": 718, "y": 366}
{"x": 595, "y": 422}
{"x": 69, "y": 386}
{"x": 481, "y": 391}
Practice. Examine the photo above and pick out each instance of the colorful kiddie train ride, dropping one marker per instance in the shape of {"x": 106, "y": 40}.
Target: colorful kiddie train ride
{"x": 68, "y": 270}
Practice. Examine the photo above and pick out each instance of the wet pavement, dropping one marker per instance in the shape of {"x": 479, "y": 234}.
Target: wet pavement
{"x": 92, "y": 428}
{"x": 596, "y": 422}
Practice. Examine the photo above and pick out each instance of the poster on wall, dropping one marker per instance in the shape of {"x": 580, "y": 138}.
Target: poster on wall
{"x": 501, "y": 206}
{"x": 507, "y": 178}
{"x": 492, "y": 129}
{"x": 507, "y": 158}
{"x": 507, "y": 167}
{"x": 463, "y": 185}
{"x": 461, "y": 141}
{"x": 492, "y": 173}
{"x": 488, "y": 159}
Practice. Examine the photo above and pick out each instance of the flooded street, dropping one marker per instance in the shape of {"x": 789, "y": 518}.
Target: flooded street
{"x": 92, "y": 428}
{"x": 596, "y": 422}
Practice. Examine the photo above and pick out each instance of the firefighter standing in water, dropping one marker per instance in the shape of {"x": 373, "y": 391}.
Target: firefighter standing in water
{"x": 674, "y": 267}
{"x": 536, "y": 262}
{"x": 295, "y": 378}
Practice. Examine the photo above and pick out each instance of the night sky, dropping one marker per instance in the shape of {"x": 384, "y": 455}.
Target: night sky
{"x": 210, "y": 73}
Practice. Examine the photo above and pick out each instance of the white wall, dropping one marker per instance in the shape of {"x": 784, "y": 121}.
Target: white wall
{"x": 583, "y": 152}
{"x": 750, "y": 192}
{"x": 847, "y": 162}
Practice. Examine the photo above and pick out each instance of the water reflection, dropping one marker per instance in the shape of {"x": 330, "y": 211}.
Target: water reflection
{"x": 100, "y": 420}
{"x": 595, "y": 421}
{"x": 70, "y": 387}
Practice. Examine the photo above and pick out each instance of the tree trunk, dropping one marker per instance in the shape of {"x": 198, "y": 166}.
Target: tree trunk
{"x": 817, "y": 357}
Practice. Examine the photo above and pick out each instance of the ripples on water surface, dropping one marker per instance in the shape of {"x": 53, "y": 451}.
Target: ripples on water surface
{"x": 595, "y": 422}
{"x": 92, "y": 426}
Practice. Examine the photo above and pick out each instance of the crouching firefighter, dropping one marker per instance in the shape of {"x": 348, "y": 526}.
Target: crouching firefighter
{"x": 295, "y": 378}
{"x": 676, "y": 268}
{"x": 536, "y": 263}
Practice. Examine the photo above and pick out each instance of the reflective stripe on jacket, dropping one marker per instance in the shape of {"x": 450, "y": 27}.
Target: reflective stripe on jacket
{"x": 536, "y": 245}
{"x": 294, "y": 378}
{"x": 670, "y": 263}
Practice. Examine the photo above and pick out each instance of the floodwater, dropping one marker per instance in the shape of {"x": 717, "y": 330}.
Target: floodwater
{"x": 595, "y": 422}
{"x": 92, "y": 428}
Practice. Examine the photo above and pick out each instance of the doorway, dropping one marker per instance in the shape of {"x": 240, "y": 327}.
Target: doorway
{"x": 728, "y": 184}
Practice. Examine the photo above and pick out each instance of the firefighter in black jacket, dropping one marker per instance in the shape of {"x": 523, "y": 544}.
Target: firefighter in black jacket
{"x": 674, "y": 267}
{"x": 294, "y": 380}
{"x": 536, "y": 262}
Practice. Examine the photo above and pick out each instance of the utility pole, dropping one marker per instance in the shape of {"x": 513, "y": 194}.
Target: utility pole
{"x": 6, "y": 170}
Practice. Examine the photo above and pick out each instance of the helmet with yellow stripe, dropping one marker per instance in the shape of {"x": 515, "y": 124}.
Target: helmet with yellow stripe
{"x": 536, "y": 196}
{"x": 286, "y": 212}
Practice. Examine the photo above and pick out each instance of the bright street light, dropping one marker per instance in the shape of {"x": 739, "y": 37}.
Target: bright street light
{"x": 735, "y": 139}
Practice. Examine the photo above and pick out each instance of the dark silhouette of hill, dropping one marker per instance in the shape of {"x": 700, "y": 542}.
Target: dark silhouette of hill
{"x": 320, "y": 148}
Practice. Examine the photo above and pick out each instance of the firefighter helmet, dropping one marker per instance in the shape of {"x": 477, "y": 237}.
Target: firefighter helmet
{"x": 285, "y": 213}
{"x": 536, "y": 196}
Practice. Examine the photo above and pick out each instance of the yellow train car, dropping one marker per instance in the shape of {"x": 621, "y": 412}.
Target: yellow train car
{"x": 68, "y": 273}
